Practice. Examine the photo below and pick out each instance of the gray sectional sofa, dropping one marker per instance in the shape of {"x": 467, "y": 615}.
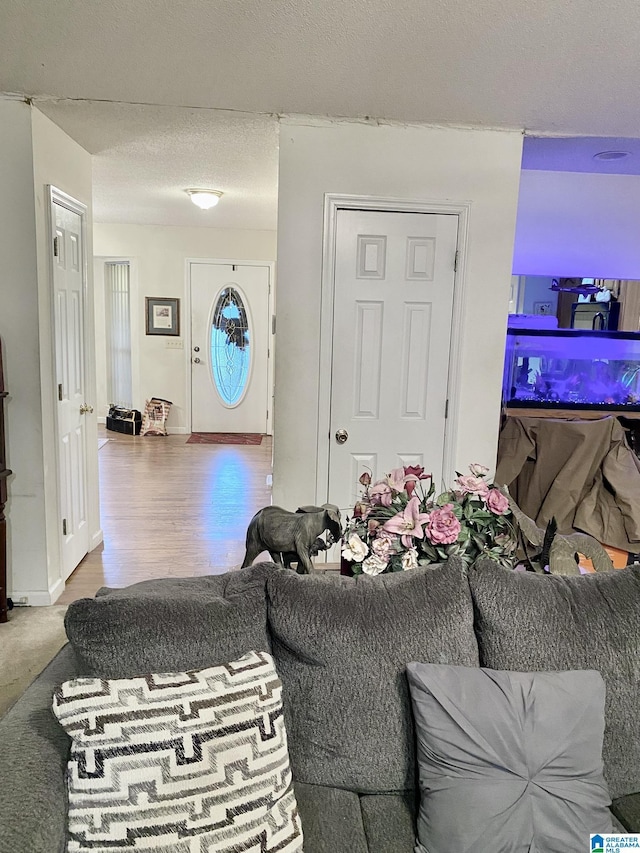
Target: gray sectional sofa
{"x": 340, "y": 646}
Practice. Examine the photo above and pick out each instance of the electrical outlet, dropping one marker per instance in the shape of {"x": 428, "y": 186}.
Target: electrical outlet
{"x": 174, "y": 343}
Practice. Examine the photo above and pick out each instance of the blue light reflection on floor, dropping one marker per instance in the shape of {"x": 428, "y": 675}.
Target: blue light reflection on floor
{"x": 226, "y": 502}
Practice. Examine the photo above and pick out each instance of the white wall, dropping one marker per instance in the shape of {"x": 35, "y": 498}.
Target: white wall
{"x": 576, "y": 224}
{"x": 536, "y": 289}
{"x": 482, "y": 167}
{"x": 159, "y": 257}
{"x": 33, "y": 153}
{"x": 26, "y": 552}
{"x": 99, "y": 303}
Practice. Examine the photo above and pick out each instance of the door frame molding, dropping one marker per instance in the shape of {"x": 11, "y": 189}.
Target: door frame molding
{"x": 59, "y": 197}
{"x": 333, "y": 203}
{"x": 187, "y": 331}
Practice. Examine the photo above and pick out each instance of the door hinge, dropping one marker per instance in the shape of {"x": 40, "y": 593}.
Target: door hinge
{"x": 60, "y": 391}
{"x": 64, "y": 526}
{"x": 55, "y": 247}
{"x": 446, "y": 410}
{"x": 233, "y": 267}
{"x": 455, "y": 261}
{"x": 273, "y": 324}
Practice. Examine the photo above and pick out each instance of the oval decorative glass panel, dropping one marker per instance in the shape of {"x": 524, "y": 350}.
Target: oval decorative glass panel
{"x": 230, "y": 346}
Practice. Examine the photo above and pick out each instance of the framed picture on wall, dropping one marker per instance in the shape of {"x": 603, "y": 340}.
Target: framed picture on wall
{"x": 163, "y": 316}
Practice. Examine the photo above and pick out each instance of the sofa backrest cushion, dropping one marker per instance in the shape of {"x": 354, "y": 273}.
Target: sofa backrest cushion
{"x": 527, "y": 621}
{"x": 172, "y": 624}
{"x": 341, "y": 646}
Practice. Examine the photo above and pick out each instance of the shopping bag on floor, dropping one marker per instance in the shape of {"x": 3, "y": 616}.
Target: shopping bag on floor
{"x": 156, "y": 411}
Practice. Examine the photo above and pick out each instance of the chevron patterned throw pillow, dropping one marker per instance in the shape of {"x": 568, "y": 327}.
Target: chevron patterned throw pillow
{"x": 189, "y": 762}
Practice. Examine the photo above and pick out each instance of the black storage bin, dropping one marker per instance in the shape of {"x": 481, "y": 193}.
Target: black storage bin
{"x": 127, "y": 421}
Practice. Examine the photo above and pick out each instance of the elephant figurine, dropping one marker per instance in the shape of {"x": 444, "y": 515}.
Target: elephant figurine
{"x": 292, "y": 536}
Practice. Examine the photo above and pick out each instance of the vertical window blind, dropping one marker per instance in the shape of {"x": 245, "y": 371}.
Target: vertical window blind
{"x": 118, "y": 319}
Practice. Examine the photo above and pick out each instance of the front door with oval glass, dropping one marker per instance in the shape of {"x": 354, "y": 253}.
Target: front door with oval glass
{"x": 229, "y": 342}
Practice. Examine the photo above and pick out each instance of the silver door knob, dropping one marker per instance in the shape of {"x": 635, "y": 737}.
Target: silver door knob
{"x": 86, "y": 409}
{"x": 341, "y": 436}
{"x": 196, "y": 361}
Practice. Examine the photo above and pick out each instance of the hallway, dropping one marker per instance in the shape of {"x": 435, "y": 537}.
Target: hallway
{"x": 169, "y": 508}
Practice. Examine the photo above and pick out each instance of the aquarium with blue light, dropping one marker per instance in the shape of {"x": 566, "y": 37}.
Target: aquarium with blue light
{"x": 572, "y": 369}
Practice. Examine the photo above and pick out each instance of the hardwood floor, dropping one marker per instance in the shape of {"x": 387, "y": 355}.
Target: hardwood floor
{"x": 169, "y": 508}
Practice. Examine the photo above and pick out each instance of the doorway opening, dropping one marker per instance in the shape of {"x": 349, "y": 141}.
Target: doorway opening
{"x": 117, "y": 339}
{"x": 117, "y": 282}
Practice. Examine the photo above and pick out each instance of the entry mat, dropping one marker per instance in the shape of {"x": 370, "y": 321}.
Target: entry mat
{"x": 224, "y": 438}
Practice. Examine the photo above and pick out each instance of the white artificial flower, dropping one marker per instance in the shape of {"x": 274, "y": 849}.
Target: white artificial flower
{"x": 355, "y": 549}
{"x": 381, "y": 547}
{"x": 373, "y": 565}
{"x": 410, "y": 559}
{"x": 478, "y": 470}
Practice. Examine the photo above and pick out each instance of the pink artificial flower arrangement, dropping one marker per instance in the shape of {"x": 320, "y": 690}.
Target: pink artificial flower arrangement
{"x": 443, "y": 527}
{"x": 398, "y": 523}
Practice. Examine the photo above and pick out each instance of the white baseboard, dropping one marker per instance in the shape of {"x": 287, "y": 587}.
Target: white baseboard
{"x": 38, "y": 598}
{"x": 96, "y": 539}
{"x": 102, "y": 419}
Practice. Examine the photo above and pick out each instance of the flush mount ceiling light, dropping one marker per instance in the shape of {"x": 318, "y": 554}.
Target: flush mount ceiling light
{"x": 204, "y": 199}
{"x": 611, "y": 155}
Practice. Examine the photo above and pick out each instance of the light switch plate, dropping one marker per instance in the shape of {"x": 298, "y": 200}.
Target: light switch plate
{"x": 174, "y": 343}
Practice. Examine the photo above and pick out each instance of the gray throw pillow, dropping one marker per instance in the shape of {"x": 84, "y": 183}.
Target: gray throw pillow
{"x": 172, "y": 624}
{"x": 526, "y": 622}
{"x": 507, "y": 760}
{"x": 341, "y": 647}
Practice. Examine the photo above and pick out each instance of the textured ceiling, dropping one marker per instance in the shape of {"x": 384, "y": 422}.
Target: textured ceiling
{"x": 569, "y": 66}
{"x": 546, "y": 66}
{"x": 145, "y": 158}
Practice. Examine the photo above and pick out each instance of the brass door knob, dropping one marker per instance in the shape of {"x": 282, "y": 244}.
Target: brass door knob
{"x": 341, "y": 436}
{"x": 86, "y": 409}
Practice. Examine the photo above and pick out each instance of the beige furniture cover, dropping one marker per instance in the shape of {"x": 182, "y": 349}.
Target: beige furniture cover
{"x": 581, "y": 472}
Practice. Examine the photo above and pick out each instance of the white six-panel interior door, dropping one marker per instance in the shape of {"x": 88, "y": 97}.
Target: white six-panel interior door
{"x": 392, "y": 319}
{"x": 69, "y": 307}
